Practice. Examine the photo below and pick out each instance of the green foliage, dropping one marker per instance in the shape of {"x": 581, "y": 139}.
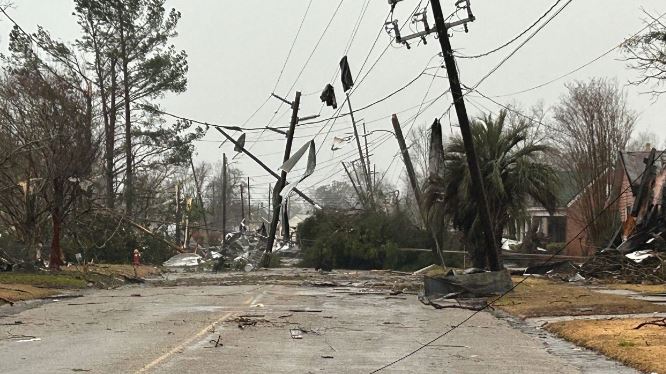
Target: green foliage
{"x": 44, "y": 280}
{"x": 512, "y": 172}
{"x": 366, "y": 240}
{"x": 105, "y": 239}
{"x": 555, "y": 247}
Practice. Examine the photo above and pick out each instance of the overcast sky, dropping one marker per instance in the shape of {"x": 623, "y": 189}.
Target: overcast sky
{"x": 237, "y": 48}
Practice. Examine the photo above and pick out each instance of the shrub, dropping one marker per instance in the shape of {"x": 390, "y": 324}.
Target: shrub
{"x": 366, "y": 240}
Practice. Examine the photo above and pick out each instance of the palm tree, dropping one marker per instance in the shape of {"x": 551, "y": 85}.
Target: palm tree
{"x": 513, "y": 171}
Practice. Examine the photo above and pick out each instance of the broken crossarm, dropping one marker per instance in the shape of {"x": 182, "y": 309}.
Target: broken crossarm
{"x": 258, "y": 161}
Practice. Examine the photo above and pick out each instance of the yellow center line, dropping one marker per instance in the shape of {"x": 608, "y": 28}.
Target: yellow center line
{"x": 198, "y": 335}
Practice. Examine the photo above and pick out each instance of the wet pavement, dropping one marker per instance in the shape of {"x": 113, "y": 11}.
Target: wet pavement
{"x": 353, "y": 322}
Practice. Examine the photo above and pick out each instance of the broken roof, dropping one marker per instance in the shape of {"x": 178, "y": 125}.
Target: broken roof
{"x": 634, "y": 165}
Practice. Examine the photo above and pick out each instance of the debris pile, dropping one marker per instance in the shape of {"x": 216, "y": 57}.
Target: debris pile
{"x": 612, "y": 264}
{"x": 640, "y": 255}
{"x": 241, "y": 251}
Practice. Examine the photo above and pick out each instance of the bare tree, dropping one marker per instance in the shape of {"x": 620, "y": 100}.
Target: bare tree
{"x": 646, "y": 55}
{"x": 593, "y": 124}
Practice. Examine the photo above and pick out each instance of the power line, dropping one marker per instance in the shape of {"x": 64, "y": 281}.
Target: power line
{"x": 517, "y": 36}
{"x": 505, "y": 59}
{"x": 293, "y": 43}
{"x": 604, "y": 54}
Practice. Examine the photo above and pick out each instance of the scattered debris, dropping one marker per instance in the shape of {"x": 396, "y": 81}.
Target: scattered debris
{"x": 425, "y": 269}
{"x": 476, "y": 284}
{"x": 217, "y": 342}
{"x": 475, "y": 304}
{"x": 612, "y": 264}
{"x": 295, "y": 334}
{"x": 244, "y": 322}
{"x": 12, "y": 323}
{"x": 184, "y": 260}
{"x": 659, "y": 323}
{"x": 29, "y": 340}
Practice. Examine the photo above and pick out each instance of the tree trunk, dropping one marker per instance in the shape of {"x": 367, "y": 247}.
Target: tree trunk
{"x": 110, "y": 134}
{"x": 55, "y": 259}
{"x": 129, "y": 167}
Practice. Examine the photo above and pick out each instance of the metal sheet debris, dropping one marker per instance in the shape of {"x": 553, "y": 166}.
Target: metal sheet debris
{"x": 184, "y": 260}
{"x": 468, "y": 285}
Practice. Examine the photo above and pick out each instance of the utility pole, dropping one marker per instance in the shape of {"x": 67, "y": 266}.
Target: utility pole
{"x": 179, "y": 215}
{"x": 367, "y": 156}
{"x": 412, "y": 180}
{"x": 283, "y": 178}
{"x": 201, "y": 203}
{"x": 478, "y": 187}
{"x": 286, "y": 236}
{"x": 351, "y": 179}
{"x": 269, "y": 209}
{"x": 366, "y": 172}
{"x": 360, "y": 187}
{"x": 224, "y": 196}
{"x": 249, "y": 202}
{"x": 242, "y": 201}
{"x": 407, "y": 160}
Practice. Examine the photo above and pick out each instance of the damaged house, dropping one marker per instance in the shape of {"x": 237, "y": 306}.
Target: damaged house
{"x": 625, "y": 179}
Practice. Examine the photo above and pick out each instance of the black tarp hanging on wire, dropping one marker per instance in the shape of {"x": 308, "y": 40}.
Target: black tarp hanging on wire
{"x": 346, "y": 75}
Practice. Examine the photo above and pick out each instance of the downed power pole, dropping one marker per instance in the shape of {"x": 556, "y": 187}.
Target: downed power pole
{"x": 277, "y": 198}
{"x": 260, "y": 163}
{"x": 414, "y": 183}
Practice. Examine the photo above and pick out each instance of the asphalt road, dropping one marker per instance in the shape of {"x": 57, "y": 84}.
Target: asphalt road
{"x": 174, "y": 330}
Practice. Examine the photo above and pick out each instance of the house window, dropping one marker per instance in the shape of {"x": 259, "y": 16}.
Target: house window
{"x": 557, "y": 229}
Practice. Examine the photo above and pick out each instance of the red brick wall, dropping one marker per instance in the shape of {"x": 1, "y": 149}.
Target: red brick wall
{"x": 575, "y": 224}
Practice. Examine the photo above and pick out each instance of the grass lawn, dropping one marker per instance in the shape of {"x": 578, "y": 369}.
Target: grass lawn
{"x": 46, "y": 280}
{"x": 643, "y": 349}
{"x": 539, "y": 297}
{"x": 17, "y": 286}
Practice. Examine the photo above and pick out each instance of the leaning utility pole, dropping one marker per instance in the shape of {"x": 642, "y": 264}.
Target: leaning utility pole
{"x": 478, "y": 189}
{"x": 407, "y": 160}
{"x": 283, "y": 177}
{"x": 367, "y": 157}
{"x": 366, "y": 172}
{"x": 412, "y": 180}
{"x": 224, "y": 196}
{"x": 361, "y": 198}
{"x": 347, "y": 84}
